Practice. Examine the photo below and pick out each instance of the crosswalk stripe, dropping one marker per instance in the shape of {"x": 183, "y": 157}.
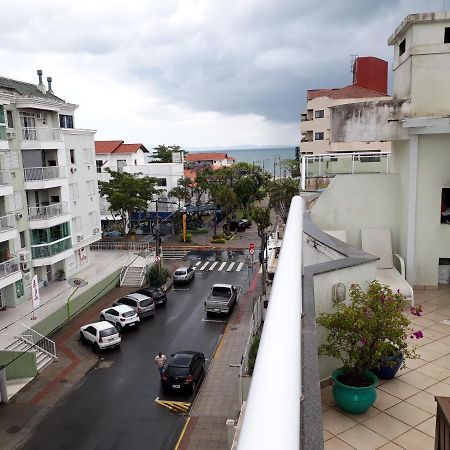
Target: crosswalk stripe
{"x": 204, "y": 265}
{"x": 230, "y": 266}
{"x": 214, "y": 264}
{"x": 222, "y": 265}
{"x": 197, "y": 263}
{"x": 239, "y": 267}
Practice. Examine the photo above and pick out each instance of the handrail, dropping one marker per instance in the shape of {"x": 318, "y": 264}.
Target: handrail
{"x": 264, "y": 426}
{"x": 7, "y": 222}
{"x": 43, "y": 173}
{"x": 123, "y": 272}
{"x": 47, "y": 212}
{"x": 34, "y": 338}
{"x": 9, "y": 267}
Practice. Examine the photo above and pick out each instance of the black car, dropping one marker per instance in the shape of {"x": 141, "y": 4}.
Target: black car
{"x": 157, "y": 294}
{"x": 184, "y": 372}
{"x": 240, "y": 225}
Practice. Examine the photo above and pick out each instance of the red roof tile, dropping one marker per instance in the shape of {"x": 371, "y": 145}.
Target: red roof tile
{"x": 209, "y": 156}
{"x": 130, "y": 148}
{"x": 188, "y": 173}
{"x": 351, "y": 91}
{"x": 103, "y": 147}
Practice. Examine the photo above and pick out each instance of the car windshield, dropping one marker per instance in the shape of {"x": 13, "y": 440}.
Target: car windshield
{"x": 175, "y": 371}
{"x": 180, "y": 272}
{"x": 128, "y": 314}
{"x": 220, "y": 291}
{"x": 108, "y": 332}
{"x": 146, "y": 302}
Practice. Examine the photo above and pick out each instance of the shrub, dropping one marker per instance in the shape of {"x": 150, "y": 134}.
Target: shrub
{"x": 156, "y": 276}
{"x": 218, "y": 241}
{"x": 253, "y": 353}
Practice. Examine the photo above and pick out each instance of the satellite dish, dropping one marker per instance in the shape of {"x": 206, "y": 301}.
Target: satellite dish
{"x": 77, "y": 282}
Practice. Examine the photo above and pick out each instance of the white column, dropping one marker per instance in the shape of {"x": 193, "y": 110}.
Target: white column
{"x": 303, "y": 174}
{"x": 412, "y": 207}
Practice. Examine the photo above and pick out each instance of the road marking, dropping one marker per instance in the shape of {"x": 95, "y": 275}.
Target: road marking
{"x": 222, "y": 265}
{"x": 213, "y": 320}
{"x": 230, "y": 266}
{"x": 239, "y": 267}
{"x": 182, "y": 433}
{"x": 219, "y": 346}
{"x": 176, "y": 407}
{"x": 204, "y": 265}
{"x": 260, "y": 270}
{"x": 180, "y": 289}
{"x": 197, "y": 263}
{"x": 214, "y": 264}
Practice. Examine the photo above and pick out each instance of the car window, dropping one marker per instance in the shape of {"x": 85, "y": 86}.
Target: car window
{"x": 221, "y": 291}
{"x": 131, "y": 302}
{"x": 108, "y": 332}
{"x": 180, "y": 272}
{"x": 124, "y": 301}
{"x": 146, "y": 302}
{"x": 128, "y": 314}
{"x": 177, "y": 371}
{"x": 113, "y": 312}
{"x": 91, "y": 330}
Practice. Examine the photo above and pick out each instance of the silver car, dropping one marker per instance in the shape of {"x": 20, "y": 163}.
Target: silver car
{"x": 142, "y": 304}
{"x": 183, "y": 275}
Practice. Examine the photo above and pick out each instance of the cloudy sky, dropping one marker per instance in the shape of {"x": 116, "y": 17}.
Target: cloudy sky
{"x": 196, "y": 73}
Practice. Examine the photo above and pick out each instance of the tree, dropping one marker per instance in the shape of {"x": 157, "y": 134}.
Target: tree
{"x": 164, "y": 152}
{"x": 156, "y": 275}
{"x": 127, "y": 193}
{"x": 182, "y": 191}
{"x": 281, "y": 192}
{"x": 293, "y": 166}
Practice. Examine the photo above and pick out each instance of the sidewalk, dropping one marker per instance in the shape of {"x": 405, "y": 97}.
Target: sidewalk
{"x": 218, "y": 399}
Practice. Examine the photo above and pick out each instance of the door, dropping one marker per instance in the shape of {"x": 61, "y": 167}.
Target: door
{"x": 49, "y": 273}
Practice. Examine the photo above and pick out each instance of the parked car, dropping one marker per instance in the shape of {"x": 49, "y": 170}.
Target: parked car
{"x": 239, "y": 225}
{"x": 101, "y": 335}
{"x": 184, "y": 372}
{"x": 157, "y": 294}
{"x": 142, "y": 304}
{"x": 183, "y": 275}
{"x": 222, "y": 299}
{"x": 122, "y": 316}
{"x": 246, "y": 223}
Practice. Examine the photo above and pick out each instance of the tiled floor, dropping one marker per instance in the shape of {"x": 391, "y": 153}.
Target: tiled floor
{"x": 404, "y": 414}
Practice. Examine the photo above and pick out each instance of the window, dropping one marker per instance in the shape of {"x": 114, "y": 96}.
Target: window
{"x": 65, "y": 121}
{"x": 402, "y": 47}
{"x": 73, "y": 191}
{"x": 76, "y": 224}
{"x": 319, "y": 114}
{"x": 445, "y": 205}
{"x": 72, "y": 155}
{"x": 90, "y": 187}
{"x": 99, "y": 164}
{"x": 9, "y": 119}
{"x": 447, "y": 35}
{"x": 87, "y": 154}
{"x": 162, "y": 181}
{"x": 318, "y": 136}
{"x": 92, "y": 217}
{"x": 121, "y": 163}
{"x": 19, "y": 288}
{"x": 22, "y": 239}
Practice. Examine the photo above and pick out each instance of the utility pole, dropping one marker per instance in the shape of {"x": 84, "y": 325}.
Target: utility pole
{"x": 263, "y": 263}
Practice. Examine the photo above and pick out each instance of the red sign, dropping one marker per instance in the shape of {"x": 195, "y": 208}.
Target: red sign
{"x": 251, "y": 246}
{"x": 157, "y": 259}
{"x": 251, "y": 251}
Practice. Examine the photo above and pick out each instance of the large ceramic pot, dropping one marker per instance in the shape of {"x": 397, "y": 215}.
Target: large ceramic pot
{"x": 355, "y": 400}
{"x": 389, "y": 367}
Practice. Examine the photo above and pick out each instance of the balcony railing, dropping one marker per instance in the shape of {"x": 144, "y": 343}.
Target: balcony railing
{"x": 5, "y": 177}
{"x": 44, "y": 173}
{"x": 47, "y": 250}
{"x": 41, "y": 134}
{"x": 7, "y": 222}
{"x": 47, "y": 212}
{"x": 9, "y": 267}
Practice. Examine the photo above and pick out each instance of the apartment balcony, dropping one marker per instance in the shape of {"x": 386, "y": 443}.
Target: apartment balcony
{"x": 48, "y": 216}
{"x": 5, "y": 183}
{"x": 44, "y": 137}
{"x": 50, "y": 253}
{"x": 10, "y": 272}
{"x": 8, "y": 229}
{"x": 44, "y": 177}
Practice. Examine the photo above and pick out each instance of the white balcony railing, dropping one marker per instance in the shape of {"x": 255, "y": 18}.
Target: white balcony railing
{"x": 44, "y": 173}
{"x": 7, "y": 222}
{"x": 272, "y": 415}
{"x": 47, "y": 212}
{"x": 41, "y": 134}
{"x": 5, "y": 177}
{"x": 9, "y": 267}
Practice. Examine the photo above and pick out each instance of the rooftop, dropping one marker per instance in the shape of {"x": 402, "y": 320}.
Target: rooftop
{"x": 26, "y": 89}
{"x": 208, "y": 156}
{"x": 350, "y": 91}
{"x": 108, "y": 147}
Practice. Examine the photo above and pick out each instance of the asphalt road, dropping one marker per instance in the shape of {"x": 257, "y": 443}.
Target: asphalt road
{"x": 114, "y": 405}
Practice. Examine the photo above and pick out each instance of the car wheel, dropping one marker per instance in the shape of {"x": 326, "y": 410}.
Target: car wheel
{"x": 119, "y": 327}
{"x": 82, "y": 338}
{"x": 102, "y": 317}
{"x": 96, "y": 347}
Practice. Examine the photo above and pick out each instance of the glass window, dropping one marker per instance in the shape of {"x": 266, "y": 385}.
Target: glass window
{"x": 99, "y": 164}
{"x": 129, "y": 314}
{"x": 19, "y": 288}
{"x": 72, "y": 155}
{"x": 402, "y": 47}
{"x": 65, "y": 121}
{"x": 318, "y": 136}
{"x": 121, "y": 163}
{"x": 22, "y": 239}
{"x": 108, "y": 332}
{"x": 9, "y": 117}
{"x": 319, "y": 114}
{"x": 177, "y": 371}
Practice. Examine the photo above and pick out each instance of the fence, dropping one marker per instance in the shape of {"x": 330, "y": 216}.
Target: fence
{"x": 124, "y": 245}
{"x": 41, "y": 134}
{"x": 47, "y": 212}
{"x": 9, "y": 267}
{"x": 7, "y": 222}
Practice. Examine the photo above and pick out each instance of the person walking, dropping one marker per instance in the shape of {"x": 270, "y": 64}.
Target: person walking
{"x": 160, "y": 361}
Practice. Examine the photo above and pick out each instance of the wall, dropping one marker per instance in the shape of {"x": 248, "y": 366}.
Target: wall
{"x": 352, "y": 202}
{"x": 22, "y": 367}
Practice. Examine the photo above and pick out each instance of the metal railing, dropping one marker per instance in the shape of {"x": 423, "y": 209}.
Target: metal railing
{"x": 36, "y": 339}
{"x": 44, "y": 173}
{"x": 282, "y": 330}
{"x": 41, "y": 134}
{"x": 9, "y": 267}
{"x": 7, "y": 222}
{"x": 47, "y": 212}
{"x": 47, "y": 250}
{"x": 5, "y": 177}
{"x": 124, "y": 245}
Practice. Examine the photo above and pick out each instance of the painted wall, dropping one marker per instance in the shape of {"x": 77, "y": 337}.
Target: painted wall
{"x": 22, "y": 367}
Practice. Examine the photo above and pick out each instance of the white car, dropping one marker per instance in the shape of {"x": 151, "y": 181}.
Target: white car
{"x": 121, "y": 316}
{"x": 101, "y": 335}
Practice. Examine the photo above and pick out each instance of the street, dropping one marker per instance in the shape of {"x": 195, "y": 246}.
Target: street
{"x": 114, "y": 405}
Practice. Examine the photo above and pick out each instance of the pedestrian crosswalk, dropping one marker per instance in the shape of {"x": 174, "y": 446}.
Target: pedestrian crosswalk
{"x": 221, "y": 266}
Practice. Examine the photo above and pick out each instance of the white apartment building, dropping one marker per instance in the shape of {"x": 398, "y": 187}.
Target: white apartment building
{"x": 48, "y": 177}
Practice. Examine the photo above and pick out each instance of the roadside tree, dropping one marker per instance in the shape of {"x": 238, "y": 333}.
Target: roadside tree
{"x": 281, "y": 192}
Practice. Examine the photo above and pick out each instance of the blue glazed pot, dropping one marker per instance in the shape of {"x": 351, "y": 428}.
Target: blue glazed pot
{"x": 387, "y": 369}
{"x": 355, "y": 400}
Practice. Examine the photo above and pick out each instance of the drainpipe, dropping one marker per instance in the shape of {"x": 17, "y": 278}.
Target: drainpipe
{"x": 412, "y": 208}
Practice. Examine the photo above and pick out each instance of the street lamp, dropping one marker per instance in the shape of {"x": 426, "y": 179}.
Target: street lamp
{"x": 77, "y": 283}
{"x": 264, "y": 160}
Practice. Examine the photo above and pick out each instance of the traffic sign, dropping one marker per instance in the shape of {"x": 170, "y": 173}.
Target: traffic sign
{"x": 251, "y": 251}
{"x": 157, "y": 258}
{"x": 251, "y": 246}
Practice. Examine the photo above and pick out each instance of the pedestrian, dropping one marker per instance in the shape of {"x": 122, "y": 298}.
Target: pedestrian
{"x": 160, "y": 361}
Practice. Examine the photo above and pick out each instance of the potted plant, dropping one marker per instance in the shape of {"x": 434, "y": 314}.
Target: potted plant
{"x": 371, "y": 326}
{"x": 60, "y": 275}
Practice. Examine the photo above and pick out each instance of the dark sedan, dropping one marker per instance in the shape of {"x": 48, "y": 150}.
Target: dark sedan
{"x": 184, "y": 372}
{"x": 157, "y": 294}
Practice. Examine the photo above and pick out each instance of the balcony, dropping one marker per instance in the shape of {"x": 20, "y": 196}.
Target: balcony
{"x": 10, "y": 272}
{"x": 47, "y": 254}
{"x": 48, "y": 216}
{"x": 43, "y": 137}
{"x": 8, "y": 228}
{"x": 44, "y": 177}
{"x": 5, "y": 183}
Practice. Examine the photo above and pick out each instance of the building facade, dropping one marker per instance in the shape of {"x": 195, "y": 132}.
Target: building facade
{"x": 47, "y": 178}
{"x": 213, "y": 160}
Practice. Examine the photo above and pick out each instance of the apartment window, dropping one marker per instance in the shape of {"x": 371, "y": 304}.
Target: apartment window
{"x": 318, "y": 136}
{"x": 72, "y": 155}
{"x": 92, "y": 218}
{"x": 23, "y": 244}
{"x": 90, "y": 187}
{"x": 402, "y": 47}
{"x": 76, "y": 224}
{"x": 74, "y": 192}
{"x": 319, "y": 114}
{"x": 9, "y": 118}
{"x": 121, "y": 163}
{"x": 447, "y": 35}
{"x": 445, "y": 205}
{"x": 99, "y": 164}
{"x": 65, "y": 121}
{"x": 87, "y": 154}
{"x": 162, "y": 181}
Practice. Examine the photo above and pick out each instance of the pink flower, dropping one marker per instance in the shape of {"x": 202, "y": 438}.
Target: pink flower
{"x": 417, "y": 335}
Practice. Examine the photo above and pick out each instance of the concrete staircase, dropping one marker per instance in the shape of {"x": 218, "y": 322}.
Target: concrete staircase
{"x": 43, "y": 358}
{"x": 134, "y": 276}
{"x": 175, "y": 252}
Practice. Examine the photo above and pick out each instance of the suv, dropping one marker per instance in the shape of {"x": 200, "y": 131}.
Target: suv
{"x": 101, "y": 335}
{"x": 240, "y": 225}
{"x": 121, "y": 316}
{"x": 183, "y": 275}
{"x": 157, "y": 294}
{"x": 143, "y": 305}
{"x": 185, "y": 371}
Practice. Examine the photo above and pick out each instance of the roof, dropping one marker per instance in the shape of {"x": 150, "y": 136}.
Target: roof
{"x": 350, "y": 91}
{"x": 26, "y": 89}
{"x": 120, "y": 308}
{"x": 108, "y": 147}
{"x": 208, "y": 156}
{"x": 189, "y": 173}
{"x": 103, "y": 325}
{"x": 182, "y": 359}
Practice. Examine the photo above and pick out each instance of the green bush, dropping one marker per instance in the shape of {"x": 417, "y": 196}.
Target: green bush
{"x": 218, "y": 241}
{"x": 199, "y": 231}
{"x": 188, "y": 237}
{"x": 156, "y": 276}
{"x": 252, "y": 353}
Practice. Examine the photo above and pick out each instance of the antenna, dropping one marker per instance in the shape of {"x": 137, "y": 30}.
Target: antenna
{"x": 353, "y": 67}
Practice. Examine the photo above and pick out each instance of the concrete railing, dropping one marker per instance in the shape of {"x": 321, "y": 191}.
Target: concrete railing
{"x": 47, "y": 212}
{"x": 9, "y": 267}
{"x": 44, "y": 173}
{"x": 272, "y": 415}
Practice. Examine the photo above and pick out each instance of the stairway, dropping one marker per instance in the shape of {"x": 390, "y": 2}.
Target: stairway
{"x": 43, "y": 359}
{"x": 174, "y": 252}
{"x": 134, "y": 276}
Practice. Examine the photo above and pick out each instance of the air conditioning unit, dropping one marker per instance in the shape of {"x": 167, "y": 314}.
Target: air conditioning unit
{"x": 18, "y": 216}
{"x": 80, "y": 237}
{"x": 10, "y": 135}
{"x": 25, "y": 266}
{"x": 73, "y": 169}
{"x": 96, "y": 230}
{"x": 24, "y": 256}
